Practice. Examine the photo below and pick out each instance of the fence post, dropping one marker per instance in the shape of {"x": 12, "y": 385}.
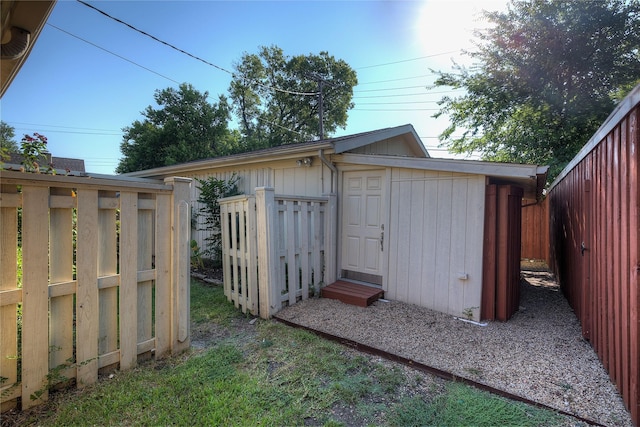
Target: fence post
{"x": 252, "y": 253}
{"x": 330, "y": 239}
{"x": 163, "y": 301}
{"x": 181, "y": 226}
{"x": 267, "y": 275}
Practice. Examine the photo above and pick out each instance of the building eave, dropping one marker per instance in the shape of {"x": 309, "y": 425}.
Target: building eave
{"x": 283, "y": 152}
{"x": 29, "y": 16}
{"x": 530, "y": 177}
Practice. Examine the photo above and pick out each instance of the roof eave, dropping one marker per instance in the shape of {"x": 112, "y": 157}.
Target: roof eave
{"x": 26, "y": 15}
{"x": 502, "y": 170}
{"x": 530, "y": 177}
{"x": 281, "y": 153}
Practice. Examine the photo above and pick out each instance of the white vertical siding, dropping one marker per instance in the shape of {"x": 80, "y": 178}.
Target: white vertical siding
{"x": 435, "y": 237}
{"x": 284, "y": 176}
{"x": 299, "y": 181}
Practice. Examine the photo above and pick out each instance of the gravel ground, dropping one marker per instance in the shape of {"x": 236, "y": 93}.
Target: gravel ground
{"x": 538, "y": 354}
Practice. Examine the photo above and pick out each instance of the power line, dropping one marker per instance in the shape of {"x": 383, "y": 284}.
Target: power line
{"x": 397, "y": 80}
{"x": 397, "y": 103}
{"x": 257, "y": 82}
{"x": 405, "y": 60}
{"x": 197, "y": 58}
{"x": 400, "y": 94}
{"x": 73, "y": 132}
{"x": 390, "y": 96}
{"x": 141, "y": 66}
{"x": 59, "y": 126}
{"x": 114, "y": 54}
{"x": 175, "y": 81}
{"x": 396, "y": 109}
{"x": 407, "y": 87}
{"x": 390, "y": 88}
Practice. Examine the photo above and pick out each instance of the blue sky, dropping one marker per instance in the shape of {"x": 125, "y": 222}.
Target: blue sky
{"x": 89, "y": 76}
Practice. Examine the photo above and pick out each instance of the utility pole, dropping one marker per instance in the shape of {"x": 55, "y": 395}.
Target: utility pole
{"x": 321, "y": 82}
{"x": 321, "y": 107}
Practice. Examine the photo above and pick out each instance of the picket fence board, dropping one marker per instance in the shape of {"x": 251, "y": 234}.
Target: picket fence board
{"x": 87, "y": 321}
{"x": 145, "y": 274}
{"x": 9, "y": 201}
{"x": 107, "y": 271}
{"x": 128, "y": 279}
{"x": 61, "y": 205}
{"x": 35, "y": 298}
{"x": 116, "y": 274}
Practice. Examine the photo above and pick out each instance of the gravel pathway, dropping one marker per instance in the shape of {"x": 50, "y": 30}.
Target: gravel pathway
{"x": 538, "y": 354}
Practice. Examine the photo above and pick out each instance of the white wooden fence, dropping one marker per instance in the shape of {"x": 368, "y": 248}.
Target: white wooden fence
{"x": 122, "y": 292}
{"x": 276, "y": 250}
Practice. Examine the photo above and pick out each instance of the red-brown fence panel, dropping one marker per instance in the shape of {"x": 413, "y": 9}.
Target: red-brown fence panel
{"x": 594, "y": 251}
{"x": 535, "y": 230}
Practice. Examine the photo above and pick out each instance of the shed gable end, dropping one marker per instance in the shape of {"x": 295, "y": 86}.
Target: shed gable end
{"x": 389, "y": 147}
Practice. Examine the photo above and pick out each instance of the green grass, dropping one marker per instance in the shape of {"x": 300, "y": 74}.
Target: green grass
{"x": 208, "y": 304}
{"x": 274, "y": 375}
{"x": 462, "y": 405}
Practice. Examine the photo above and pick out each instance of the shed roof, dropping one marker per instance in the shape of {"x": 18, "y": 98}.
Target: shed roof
{"x": 404, "y": 134}
{"x": 348, "y": 149}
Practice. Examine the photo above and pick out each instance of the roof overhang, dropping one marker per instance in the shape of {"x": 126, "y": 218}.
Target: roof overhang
{"x": 20, "y": 25}
{"x": 530, "y": 177}
{"x": 404, "y": 133}
{"x": 283, "y": 152}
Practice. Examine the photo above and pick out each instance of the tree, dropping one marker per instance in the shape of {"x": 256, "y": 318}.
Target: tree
{"x": 547, "y": 74}
{"x": 186, "y": 127}
{"x": 276, "y": 98}
{"x": 7, "y": 142}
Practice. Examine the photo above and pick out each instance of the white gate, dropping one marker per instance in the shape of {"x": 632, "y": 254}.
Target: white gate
{"x": 276, "y": 250}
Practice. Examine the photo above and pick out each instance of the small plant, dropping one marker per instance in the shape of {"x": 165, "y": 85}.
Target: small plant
{"x": 196, "y": 255}
{"x": 34, "y": 150}
{"x": 467, "y": 313}
{"x": 6, "y": 391}
{"x": 474, "y": 371}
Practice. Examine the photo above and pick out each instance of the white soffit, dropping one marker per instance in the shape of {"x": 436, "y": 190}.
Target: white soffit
{"x": 497, "y": 170}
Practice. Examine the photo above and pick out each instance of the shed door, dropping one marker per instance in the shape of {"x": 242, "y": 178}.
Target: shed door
{"x": 363, "y": 225}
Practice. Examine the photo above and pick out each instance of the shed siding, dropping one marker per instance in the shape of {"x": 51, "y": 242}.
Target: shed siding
{"x": 436, "y": 236}
{"x": 284, "y": 176}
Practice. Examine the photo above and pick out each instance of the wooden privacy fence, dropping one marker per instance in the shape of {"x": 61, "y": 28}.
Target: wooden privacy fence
{"x": 595, "y": 251}
{"x": 295, "y": 237}
{"x": 501, "y": 273}
{"x": 104, "y": 278}
{"x": 535, "y": 231}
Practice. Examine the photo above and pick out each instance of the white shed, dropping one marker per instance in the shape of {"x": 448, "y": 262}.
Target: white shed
{"x": 439, "y": 233}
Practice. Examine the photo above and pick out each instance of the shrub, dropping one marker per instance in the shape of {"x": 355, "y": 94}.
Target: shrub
{"x": 211, "y": 191}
